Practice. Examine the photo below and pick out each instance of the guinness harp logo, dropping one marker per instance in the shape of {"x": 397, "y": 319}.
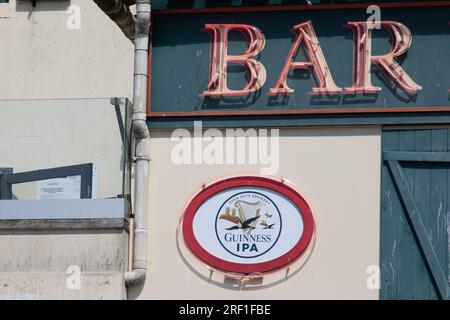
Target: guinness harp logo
{"x": 248, "y": 224}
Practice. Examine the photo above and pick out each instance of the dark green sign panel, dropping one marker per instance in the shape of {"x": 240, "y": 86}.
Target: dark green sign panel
{"x": 183, "y": 67}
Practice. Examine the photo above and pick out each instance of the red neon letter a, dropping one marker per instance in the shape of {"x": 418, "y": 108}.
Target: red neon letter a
{"x": 316, "y": 62}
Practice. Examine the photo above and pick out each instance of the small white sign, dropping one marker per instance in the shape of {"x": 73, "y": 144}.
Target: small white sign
{"x": 59, "y": 188}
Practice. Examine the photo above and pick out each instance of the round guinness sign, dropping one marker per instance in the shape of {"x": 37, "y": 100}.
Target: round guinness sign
{"x": 248, "y": 225}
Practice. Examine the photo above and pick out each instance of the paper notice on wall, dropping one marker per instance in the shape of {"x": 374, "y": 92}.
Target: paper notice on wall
{"x": 59, "y": 188}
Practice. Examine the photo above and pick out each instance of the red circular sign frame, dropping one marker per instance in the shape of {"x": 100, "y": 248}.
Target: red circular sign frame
{"x": 248, "y": 181}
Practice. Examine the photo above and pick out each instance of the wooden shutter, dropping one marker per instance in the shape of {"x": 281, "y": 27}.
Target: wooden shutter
{"x": 415, "y": 201}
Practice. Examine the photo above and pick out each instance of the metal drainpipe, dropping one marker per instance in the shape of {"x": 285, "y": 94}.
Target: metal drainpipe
{"x": 141, "y": 136}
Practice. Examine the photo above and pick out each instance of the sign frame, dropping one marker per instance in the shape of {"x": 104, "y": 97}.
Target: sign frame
{"x": 342, "y": 112}
{"x": 295, "y": 253}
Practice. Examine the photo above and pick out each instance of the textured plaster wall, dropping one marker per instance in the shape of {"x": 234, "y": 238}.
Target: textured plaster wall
{"x": 40, "y": 58}
{"x": 42, "y": 264}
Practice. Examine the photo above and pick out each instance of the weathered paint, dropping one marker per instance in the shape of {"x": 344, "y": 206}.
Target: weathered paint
{"x": 404, "y": 267}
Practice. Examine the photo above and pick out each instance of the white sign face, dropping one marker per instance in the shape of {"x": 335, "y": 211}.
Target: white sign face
{"x": 248, "y": 228}
{"x": 250, "y": 225}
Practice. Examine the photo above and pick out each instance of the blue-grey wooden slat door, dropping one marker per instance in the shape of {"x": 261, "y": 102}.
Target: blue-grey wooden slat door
{"x": 415, "y": 200}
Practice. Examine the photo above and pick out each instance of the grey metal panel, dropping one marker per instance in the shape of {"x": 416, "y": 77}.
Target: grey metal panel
{"x": 64, "y": 209}
{"x": 5, "y": 189}
{"x": 63, "y": 224}
{"x": 83, "y": 170}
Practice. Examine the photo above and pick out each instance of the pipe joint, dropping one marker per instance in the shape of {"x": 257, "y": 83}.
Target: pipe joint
{"x": 134, "y": 277}
{"x": 140, "y": 129}
{"x": 142, "y": 18}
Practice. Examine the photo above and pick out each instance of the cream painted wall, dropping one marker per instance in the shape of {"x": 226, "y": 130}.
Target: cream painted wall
{"x": 40, "y": 58}
{"x": 339, "y": 172}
